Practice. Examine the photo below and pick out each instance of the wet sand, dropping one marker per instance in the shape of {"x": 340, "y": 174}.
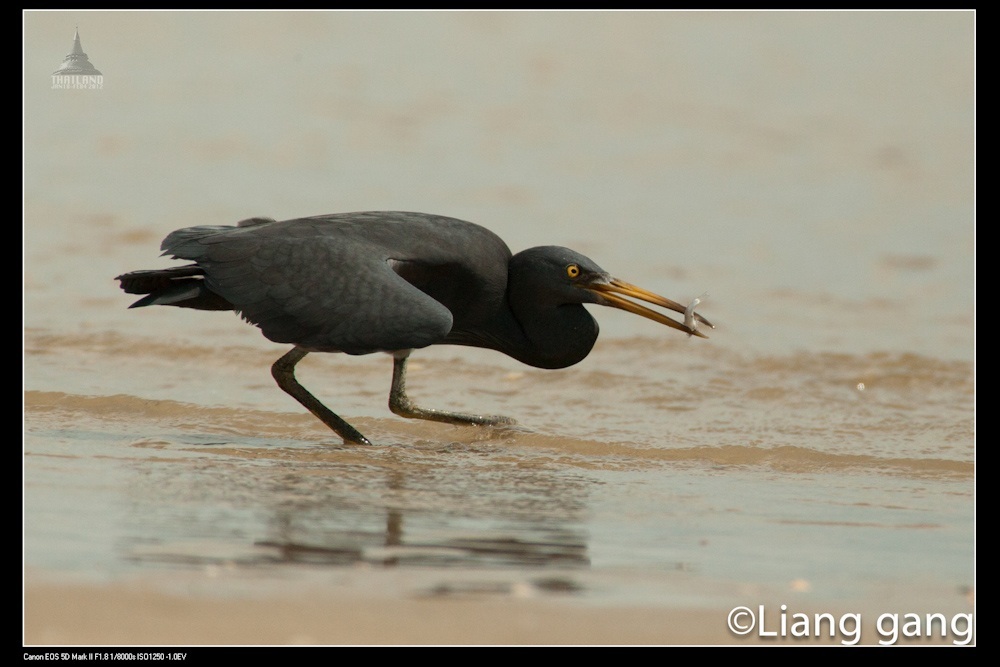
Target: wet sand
{"x": 550, "y": 532}
{"x": 75, "y": 615}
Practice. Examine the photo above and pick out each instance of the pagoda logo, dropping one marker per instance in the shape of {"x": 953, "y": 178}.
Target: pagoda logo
{"x": 76, "y": 70}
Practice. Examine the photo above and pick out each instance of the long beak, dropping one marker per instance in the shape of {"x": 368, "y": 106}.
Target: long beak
{"x": 610, "y": 291}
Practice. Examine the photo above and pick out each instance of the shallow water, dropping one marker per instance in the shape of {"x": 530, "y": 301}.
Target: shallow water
{"x": 812, "y": 171}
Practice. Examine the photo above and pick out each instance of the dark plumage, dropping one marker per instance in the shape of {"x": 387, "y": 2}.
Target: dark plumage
{"x": 391, "y": 282}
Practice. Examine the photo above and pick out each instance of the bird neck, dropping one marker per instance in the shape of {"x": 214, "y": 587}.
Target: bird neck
{"x": 551, "y": 334}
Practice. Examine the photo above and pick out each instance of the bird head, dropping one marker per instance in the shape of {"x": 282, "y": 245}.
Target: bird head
{"x": 571, "y": 278}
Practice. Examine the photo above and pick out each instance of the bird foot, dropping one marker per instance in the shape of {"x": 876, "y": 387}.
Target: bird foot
{"x": 401, "y": 404}
{"x": 404, "y": 408}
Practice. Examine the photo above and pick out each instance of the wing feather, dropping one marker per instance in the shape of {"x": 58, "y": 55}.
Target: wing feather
{"x": 354, "y": 283}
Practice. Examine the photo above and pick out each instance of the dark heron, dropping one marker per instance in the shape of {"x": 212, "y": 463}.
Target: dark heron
{"x": 392, "y": 282}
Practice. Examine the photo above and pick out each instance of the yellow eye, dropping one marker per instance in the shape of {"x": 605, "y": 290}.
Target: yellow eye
{"x": 573, "y": 271}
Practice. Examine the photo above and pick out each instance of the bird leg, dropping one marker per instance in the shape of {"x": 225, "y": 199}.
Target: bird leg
{"x": 283, "y": 371}
{"x": 400, "y": 403}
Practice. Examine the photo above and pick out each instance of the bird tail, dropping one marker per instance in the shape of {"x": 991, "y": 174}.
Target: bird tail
{"x": 181, "y": 286}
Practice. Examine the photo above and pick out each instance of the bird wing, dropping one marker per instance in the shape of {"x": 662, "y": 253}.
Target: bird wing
{"x": 334, "y": 283}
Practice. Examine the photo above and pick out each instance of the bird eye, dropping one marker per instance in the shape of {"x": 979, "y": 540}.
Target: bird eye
{"x": 573, "y": 271}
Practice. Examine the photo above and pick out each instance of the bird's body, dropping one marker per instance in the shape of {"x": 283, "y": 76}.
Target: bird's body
{"x": 392, "y": 282}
